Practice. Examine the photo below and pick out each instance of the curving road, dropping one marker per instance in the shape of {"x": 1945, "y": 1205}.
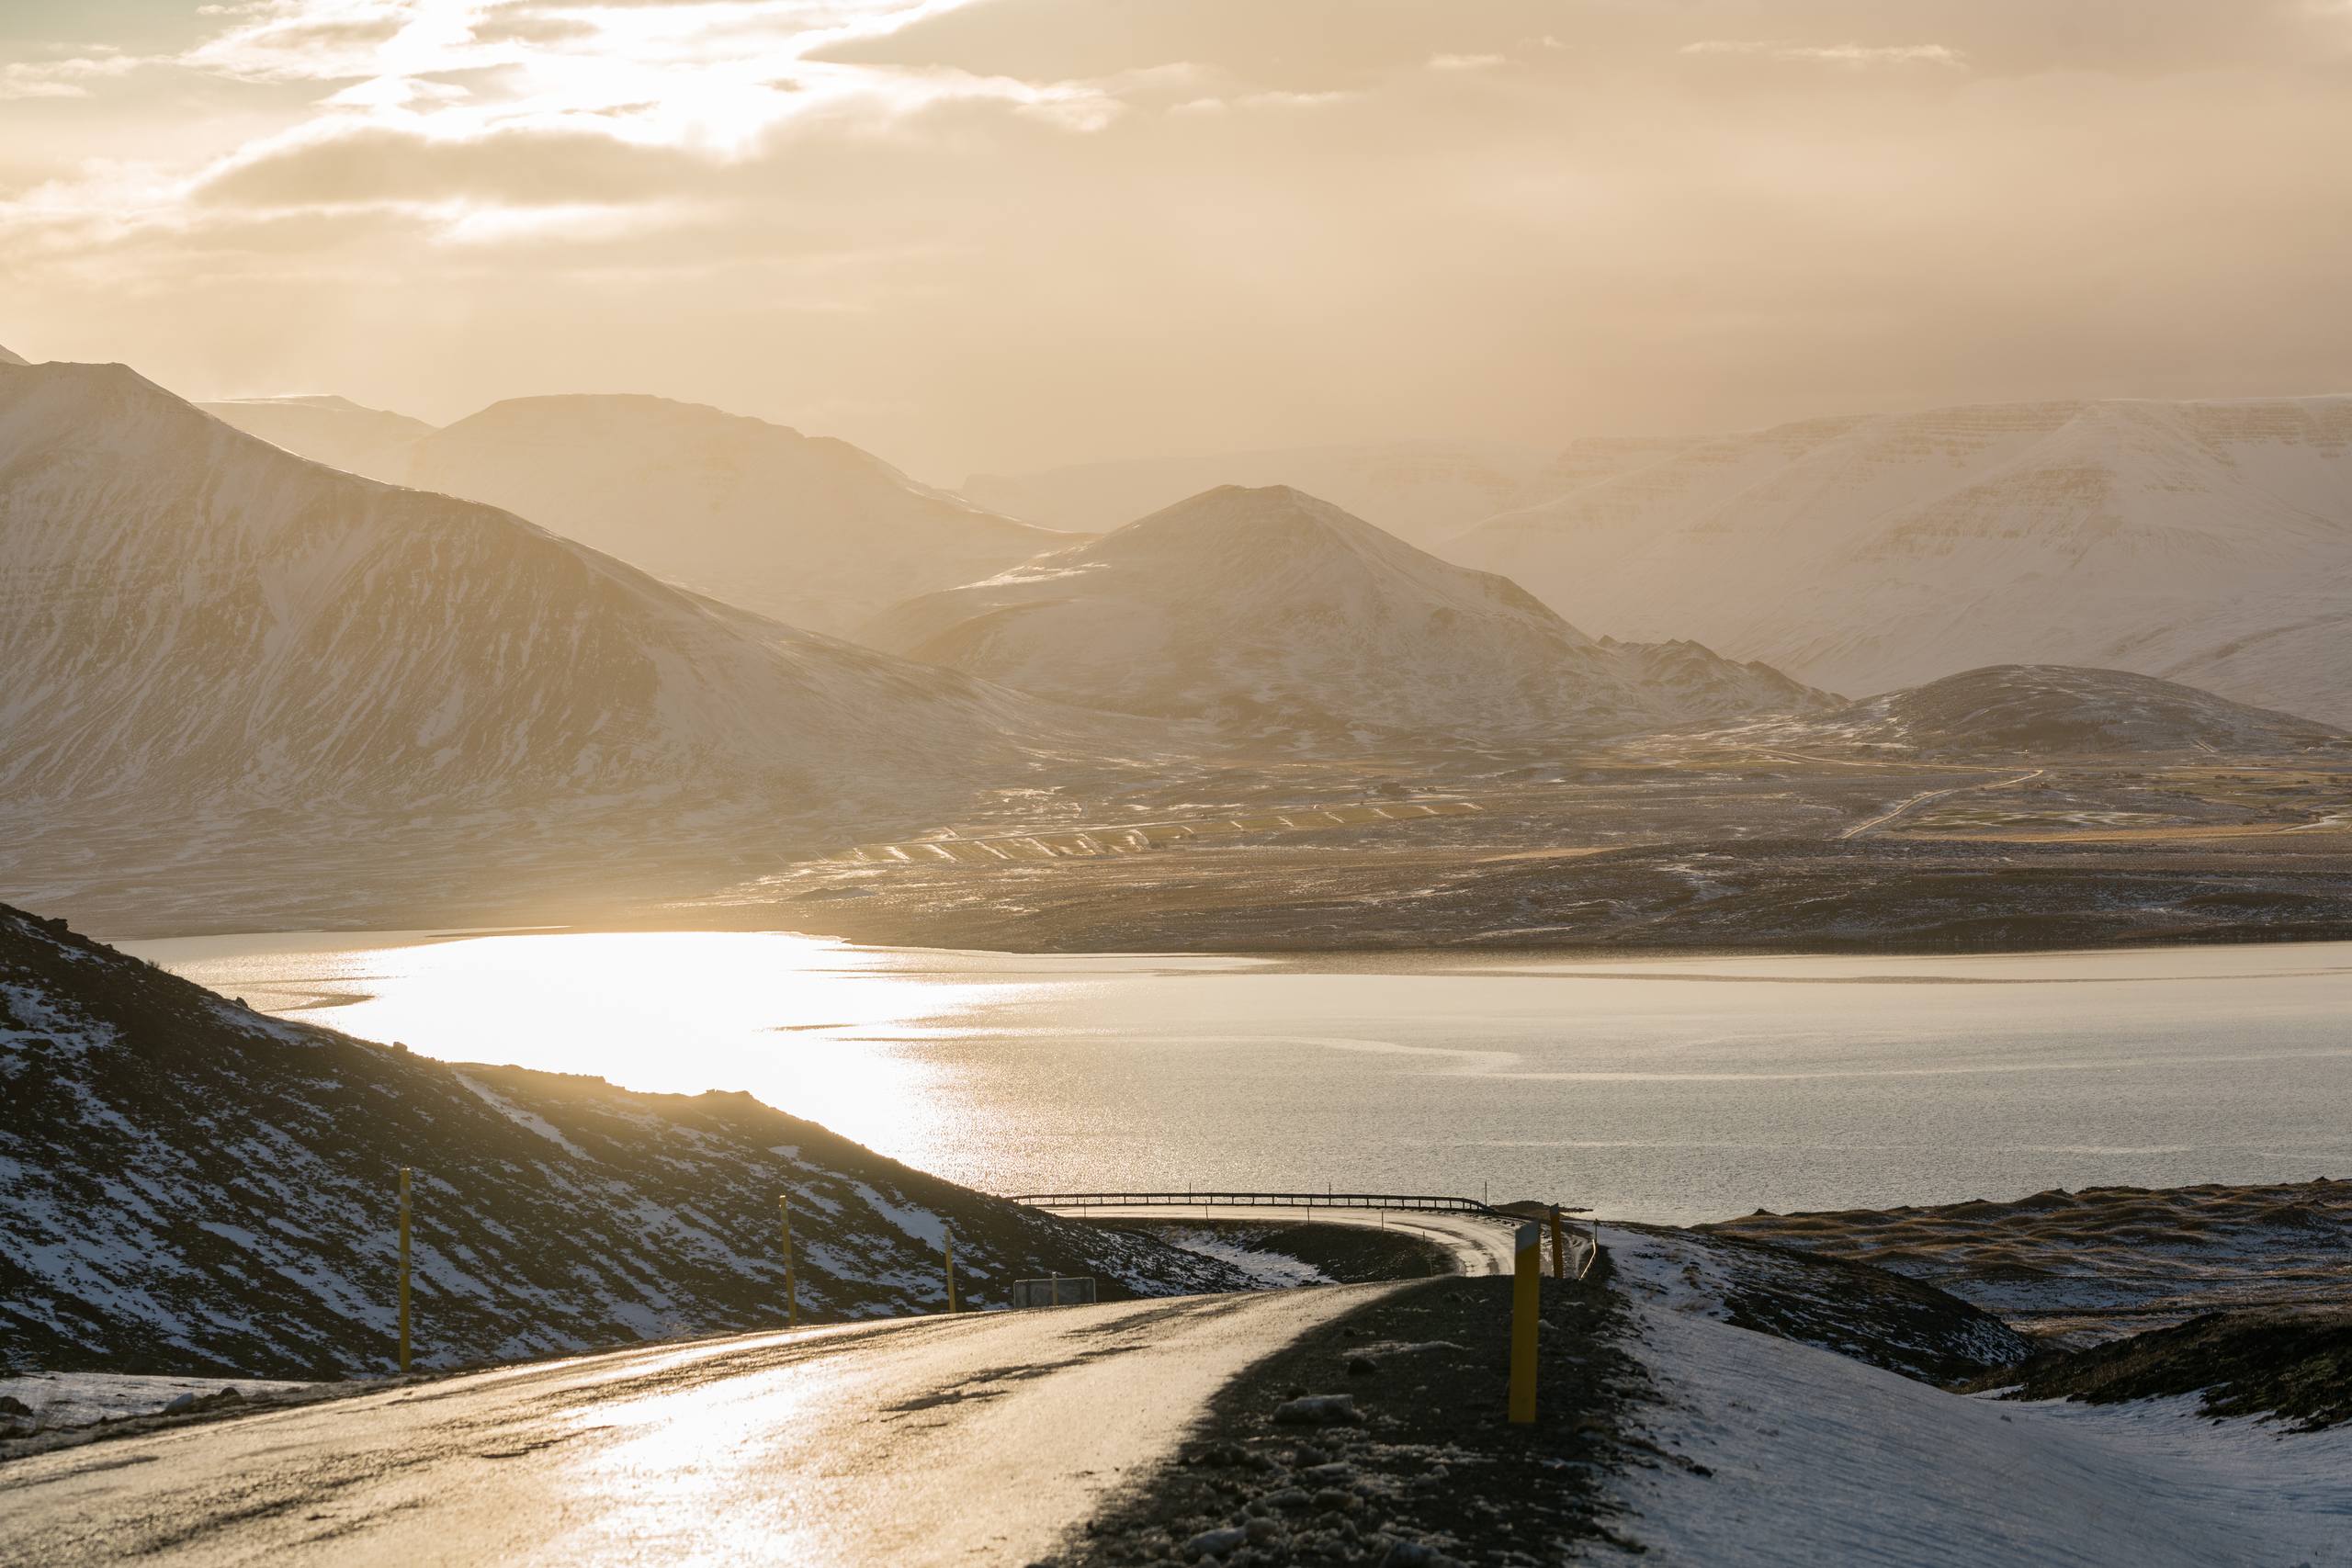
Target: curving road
{"x": 1875, "y": 823}
{"x": 981, "y": 1439}
{"x": 1479, "y": 1244}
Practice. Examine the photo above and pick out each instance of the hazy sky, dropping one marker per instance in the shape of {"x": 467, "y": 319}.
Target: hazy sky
{"x": 1002, "y": 234}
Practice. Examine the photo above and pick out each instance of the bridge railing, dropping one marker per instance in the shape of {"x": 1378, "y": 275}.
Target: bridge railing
{"x": 1420, "y": 1202}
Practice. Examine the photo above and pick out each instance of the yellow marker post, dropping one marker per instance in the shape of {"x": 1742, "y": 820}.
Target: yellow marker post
{"x": 1526, "y": 1302}
{"x": 404, "y": 1174}
{"x": 791, "y": 1285}
{"x": 1559, "y": 1246}
{"x": 947, "y": 1240}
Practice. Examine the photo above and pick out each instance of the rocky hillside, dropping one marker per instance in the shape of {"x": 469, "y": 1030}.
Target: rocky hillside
{"x": 330, "y": 430}
{"x": 808, "y": 530}
{"x": 2055, "y": 710}
{"x": 189, "y": 1187}
{"x": 2077, "y": 1267}
{"x": 2203, "y": 542}
{"x": 1272, "y": 612}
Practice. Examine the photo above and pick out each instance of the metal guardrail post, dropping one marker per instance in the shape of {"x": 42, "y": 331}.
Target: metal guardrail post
{"x": 404, "y": 1258}
{"x": 1526, "y": 1306}
{"x": 791, "y": 1284}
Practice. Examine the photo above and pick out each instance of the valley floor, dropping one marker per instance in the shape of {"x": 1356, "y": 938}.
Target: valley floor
{"x": 1656, "y": 844}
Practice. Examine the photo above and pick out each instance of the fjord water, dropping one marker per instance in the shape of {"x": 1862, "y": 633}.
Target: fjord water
{"x": 1666, "y": 1089}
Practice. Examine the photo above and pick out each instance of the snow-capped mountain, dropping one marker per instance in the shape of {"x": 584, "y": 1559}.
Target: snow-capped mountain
{"x": 197, "y": 615}
{"x": 186, "y": 1186}
{"x": 330, "y": 430}
{"x": 1270, "y": 612}
{"x": 2203, "y": 542}
{"x": 2053, "y": 710}
{"x": 1420, "y": 490}
{"x": 807, "y": 529}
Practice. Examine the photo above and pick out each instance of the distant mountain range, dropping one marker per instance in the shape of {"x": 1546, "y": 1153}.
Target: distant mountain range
{"x": 2209, "y": 543}
{"x": 197, "y": 613}
{"x": 189, "y": 1187}
{"x": 807, "y": 529}
{"x": 1273, "y": 613}
{"x": 8, "y": 358}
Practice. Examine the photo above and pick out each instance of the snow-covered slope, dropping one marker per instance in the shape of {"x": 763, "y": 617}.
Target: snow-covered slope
{"x": 2055, "y": 710}
{"x": 195, "y": 615}
{"x": 330, "y": 430}
{"x": 1780, "y": 1453}
{"x": 1420, "y": 490}
{"x": 188, "y": 1187}
{"x": 1272, "y": 612}
{"x": 807, "y": 529}
{"x": 2203, "y": 542}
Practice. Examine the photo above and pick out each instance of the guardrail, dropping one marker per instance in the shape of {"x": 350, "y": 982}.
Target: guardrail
{"x": 1416, "y": 1203}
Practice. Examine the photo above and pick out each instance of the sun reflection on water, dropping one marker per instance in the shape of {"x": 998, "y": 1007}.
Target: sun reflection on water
{"x": 843, "y": 1036}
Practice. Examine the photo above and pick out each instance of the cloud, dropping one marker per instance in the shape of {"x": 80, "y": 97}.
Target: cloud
{"x": 1852, "y": 55}
{"x": 361, "y": 162}
{"x": 62, "y": 78}
{"x": 963, "y": 223}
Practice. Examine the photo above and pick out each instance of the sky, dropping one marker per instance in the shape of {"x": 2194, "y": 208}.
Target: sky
{"x": 1001, "y": 234}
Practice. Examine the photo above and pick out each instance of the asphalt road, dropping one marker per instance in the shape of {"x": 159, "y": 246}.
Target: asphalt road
{"x": 980, "y": 1438}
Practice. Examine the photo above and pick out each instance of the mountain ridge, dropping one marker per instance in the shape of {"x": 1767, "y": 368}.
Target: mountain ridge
{"x": 808, "y": 529}
{"x": 329, "y": 429}
{"x": 1270, "y": 610}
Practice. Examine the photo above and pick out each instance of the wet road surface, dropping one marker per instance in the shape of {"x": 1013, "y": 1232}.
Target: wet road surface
{"x": 980, "y": 1438}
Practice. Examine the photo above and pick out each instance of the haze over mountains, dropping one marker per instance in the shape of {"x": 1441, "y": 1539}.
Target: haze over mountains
{"x": 808, "y": 529}
{"x": 1420, "y": 490}
{"x": 1272, "y": 612}
{"x": 334, "y": 431}
{"x": 8, "y": 358}
{"x": 2203, "y": 542}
